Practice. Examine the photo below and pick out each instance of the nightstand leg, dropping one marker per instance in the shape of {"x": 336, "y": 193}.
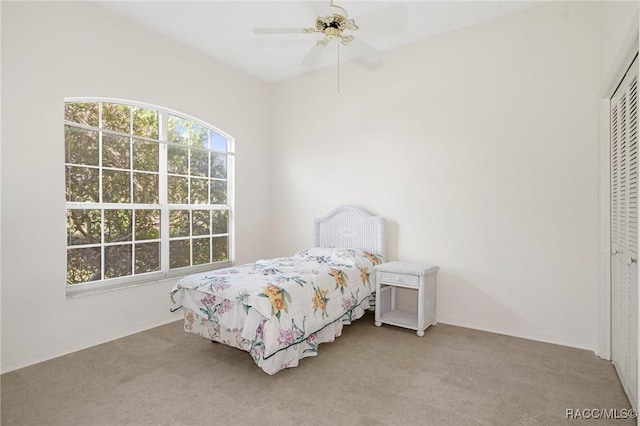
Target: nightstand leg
{"x": 378, "y": 323}
{"x": 393, "y": 298}
{"x": 420, "y": 333}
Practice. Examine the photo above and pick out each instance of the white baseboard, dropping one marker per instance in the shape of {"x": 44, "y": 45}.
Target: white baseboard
{"x": 54, "y": 352}
{"x": 547, "y": 337}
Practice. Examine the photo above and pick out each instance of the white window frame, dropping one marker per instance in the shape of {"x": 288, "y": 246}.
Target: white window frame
{"x": 163, "y": 205}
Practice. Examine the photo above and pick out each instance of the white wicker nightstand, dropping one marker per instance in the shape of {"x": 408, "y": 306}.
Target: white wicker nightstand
{"x": 418, "y": 276}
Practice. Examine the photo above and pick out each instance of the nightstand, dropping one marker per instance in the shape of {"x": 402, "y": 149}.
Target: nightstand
{"x": 420, "y": 277}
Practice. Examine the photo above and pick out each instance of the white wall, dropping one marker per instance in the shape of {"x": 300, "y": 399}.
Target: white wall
{"x": 618, "y": 18}
{"x": 52, "y": 50}
{"x": 480, "y": 148}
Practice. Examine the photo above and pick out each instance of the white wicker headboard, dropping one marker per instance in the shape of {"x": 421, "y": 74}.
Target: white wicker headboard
{"x": 352, "y": 227}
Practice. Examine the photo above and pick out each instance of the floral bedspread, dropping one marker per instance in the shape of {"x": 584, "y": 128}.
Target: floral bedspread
{"x": 278, "y": 303}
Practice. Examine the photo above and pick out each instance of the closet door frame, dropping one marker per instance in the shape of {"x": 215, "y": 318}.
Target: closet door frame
{"x": 621, "y": 65}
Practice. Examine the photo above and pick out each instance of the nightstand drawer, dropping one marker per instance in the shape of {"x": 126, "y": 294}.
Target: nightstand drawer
{"x": 402, "y": 279}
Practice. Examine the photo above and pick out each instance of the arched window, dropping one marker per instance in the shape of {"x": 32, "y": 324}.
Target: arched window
{"x": 149, "y": 194}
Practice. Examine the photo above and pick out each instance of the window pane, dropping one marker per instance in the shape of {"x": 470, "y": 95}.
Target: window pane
{"x": 218, "y": 192}
{"x": 117, "y": 261}
{"x": 116, "y": 117}
{"x": 83, "y": 227}
{"x": 145, "y": 155}
{"x": 187, "y": 132}
{"x": 199, "y": 191}
{"x": 147, "y": 224}
{"x": 178, "y": 189}
{"x": 81, "y": 112}
{"x": 220, "y": 222}
{"x": 177, "y": 129}
{"x": 82, "y": 184}
{"x": 115, "y": 186}
{"x": 199, "y": 163}
{"x": 200, "y": 222}
{"x": 147, "y": 257}
{"x": 179, "y": 223}
{"x": 81, "y": 146}
{"x": 220, "y": 248}
{"x": 83, "y": 264}
{"x": 178, "y": 160}
{"x": 179, "y": 255}
{"x": 201, "y": 249}
{"x": 115, "y": 151}
{"x": 198, "y": 135}
{"x": 145, "y": 122}
{"x": 217, "y": 142}
{"x": 117, "y": 226}
{"x": 145, "y": 188}
{"x": 218, "y": 166}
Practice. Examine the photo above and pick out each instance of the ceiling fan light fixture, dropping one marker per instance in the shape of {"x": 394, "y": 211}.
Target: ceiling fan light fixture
{"x": 331, "y": 33}
{"x": 346, "y": 39}
{"x": 350, "y": 24}
{"x": 332, "y": 26}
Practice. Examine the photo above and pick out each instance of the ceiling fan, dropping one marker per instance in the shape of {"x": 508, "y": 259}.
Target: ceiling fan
{"x": 333, "y": 23}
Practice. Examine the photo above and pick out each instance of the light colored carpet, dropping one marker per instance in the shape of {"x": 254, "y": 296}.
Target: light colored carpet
{"x": 370, "y": 375}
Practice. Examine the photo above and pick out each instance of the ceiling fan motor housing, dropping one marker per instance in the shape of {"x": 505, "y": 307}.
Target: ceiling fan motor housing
{"x": 338, "y": 11}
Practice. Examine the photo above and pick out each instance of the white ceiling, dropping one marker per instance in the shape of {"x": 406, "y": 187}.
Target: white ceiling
{"x": 222, "y": 29}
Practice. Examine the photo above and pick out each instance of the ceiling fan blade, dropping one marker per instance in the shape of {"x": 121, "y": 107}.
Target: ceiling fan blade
{"x": 313, "y": 55}
{"x": 385, "y": 18}
{"x": 263, "y": 31}
{"x": 366, "y": 51}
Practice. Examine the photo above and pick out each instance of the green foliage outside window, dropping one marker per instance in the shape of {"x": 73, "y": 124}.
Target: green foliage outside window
{"x": 113, "y": 178}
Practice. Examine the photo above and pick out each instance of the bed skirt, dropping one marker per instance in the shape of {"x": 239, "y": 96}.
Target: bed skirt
{"x": 285, "y": 358}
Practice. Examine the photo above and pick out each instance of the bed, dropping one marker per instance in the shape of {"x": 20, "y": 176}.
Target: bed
{"x": 279, "y": 310}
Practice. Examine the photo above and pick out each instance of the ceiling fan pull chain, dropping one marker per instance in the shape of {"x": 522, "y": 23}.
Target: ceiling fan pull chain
{"x": 338, "y": 44}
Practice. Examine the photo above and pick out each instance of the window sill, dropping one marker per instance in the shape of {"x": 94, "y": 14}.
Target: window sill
{"x": 97, "y": 287}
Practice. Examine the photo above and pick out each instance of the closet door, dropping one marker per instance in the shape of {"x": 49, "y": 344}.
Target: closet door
{"x": 624, "y": 232}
